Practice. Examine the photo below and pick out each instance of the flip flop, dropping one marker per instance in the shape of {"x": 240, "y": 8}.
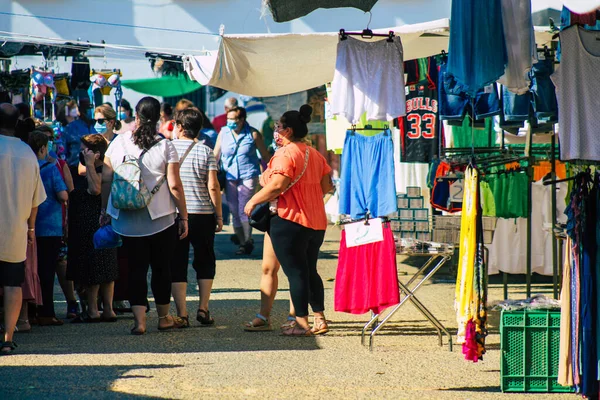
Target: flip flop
{"x": 108, "y": 319}
{"x": 134, "y": 331}
{"x": 84, "y": 318}
{"x": 264, "y": 327}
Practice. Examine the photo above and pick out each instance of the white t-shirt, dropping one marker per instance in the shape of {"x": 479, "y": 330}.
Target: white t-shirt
{"x": 161, "y": 211}
{"x": 21, "y": 189}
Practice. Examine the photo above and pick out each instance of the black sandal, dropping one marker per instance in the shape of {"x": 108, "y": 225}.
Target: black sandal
{"x": 84, "y": 318}
{"x": 11, "y": 345}
{"x": 136, "y": 332}
{"x": 205, "y": 320}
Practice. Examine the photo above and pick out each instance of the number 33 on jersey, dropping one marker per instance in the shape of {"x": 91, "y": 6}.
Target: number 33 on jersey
{"x": 419, "y": 128}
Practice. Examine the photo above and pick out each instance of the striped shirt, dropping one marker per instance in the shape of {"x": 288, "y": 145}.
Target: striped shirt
{"x": 194, "y": 175}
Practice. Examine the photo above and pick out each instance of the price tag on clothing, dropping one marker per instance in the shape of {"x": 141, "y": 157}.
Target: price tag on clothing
{"x": 456, "y": 191}
{"x": 358, "y": 234}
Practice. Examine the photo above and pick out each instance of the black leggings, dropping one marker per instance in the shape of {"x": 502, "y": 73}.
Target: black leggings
{"x": 150, "y": 251}
{"x": 297, "y": 249}
{"x": 202, "y": 238}
{"x": 47, "y": 255}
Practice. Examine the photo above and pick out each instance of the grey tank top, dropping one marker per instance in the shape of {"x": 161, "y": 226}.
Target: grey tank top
{"x": 577, "y": 81}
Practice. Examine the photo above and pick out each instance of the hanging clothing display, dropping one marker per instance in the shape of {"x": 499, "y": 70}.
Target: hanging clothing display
{"x": 367, "y": 178}
{"x": 565, "y": 363}
{"x": 578, "y": 122}
{"x": 472, "y": 60}
{"x": 419, "y": 129}
{"x": 581, "y": 355}
{"x": 508, "y": 250}
{"x": 471, "y": 283}
{"x": 441, "y": 198}
{"x": 465, "y": 135}
{"x": 369, "y": 76}
{"x": 367, "y": 276}
{"x": 510, "y": 193}
{"x": 455, "y": 101}
{"x": 520, "y": 44}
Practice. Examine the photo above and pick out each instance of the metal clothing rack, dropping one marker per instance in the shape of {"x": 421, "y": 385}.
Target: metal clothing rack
{"x": 440, "y": 259}
{"x": 530, "y": 158}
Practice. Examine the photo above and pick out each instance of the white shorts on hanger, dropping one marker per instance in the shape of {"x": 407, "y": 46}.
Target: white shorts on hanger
{"x": 369, "y": 77}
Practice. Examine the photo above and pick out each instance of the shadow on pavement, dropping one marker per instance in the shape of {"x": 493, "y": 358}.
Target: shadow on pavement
{"x": 494, "y": 389}
{"x": 227, "y": 335}
{"x": 63, "y": 382}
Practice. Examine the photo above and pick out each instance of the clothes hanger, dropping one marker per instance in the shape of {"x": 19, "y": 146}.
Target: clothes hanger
{"x": 367, "y": 33}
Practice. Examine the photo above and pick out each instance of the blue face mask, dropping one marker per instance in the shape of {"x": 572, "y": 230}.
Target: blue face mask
{"x": 232, "y": 125}
{"x": 38, "y": 114}
{"x": 100, "y": 128}
{"x": 122, "y": 116}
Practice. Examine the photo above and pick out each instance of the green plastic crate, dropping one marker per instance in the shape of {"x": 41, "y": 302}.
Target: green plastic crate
{"x": 530, "y": 344}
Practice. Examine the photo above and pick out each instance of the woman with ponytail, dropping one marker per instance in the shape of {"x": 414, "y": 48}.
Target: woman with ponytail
{"x": 298, "y": 176}
{"x": 151, "y": 233}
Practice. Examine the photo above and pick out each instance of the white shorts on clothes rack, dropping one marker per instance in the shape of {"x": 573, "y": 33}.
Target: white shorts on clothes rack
{"x": 369, "y": 76}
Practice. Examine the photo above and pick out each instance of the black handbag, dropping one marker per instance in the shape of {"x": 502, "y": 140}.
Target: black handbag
{"x": 261, "y": 216}
{"x": 222, "y": 176}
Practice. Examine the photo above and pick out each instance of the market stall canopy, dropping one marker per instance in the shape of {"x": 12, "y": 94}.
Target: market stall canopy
{"x": 166, "y": 86}
{"x": 287, "y": 10}
{"x": 277, "y": 64}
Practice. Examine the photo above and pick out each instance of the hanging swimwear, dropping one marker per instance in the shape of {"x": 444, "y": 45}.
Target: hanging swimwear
{"x": 369, "y": 76}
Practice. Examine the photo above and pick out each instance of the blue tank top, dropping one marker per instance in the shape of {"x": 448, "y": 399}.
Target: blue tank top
{"x": 243, "y": 164}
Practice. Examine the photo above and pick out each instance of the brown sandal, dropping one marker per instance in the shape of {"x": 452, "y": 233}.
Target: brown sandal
{"x": 297, "y": 331}
{"x": 177, "y": 323}
{"x": 320, "y": 326}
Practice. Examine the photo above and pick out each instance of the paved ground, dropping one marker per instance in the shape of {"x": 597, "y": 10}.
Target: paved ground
{"x": 104, "y": 361}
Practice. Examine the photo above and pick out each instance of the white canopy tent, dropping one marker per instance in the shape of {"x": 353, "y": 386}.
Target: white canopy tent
{"x": 278, "y": 64}
{"x": 266, "y": 65}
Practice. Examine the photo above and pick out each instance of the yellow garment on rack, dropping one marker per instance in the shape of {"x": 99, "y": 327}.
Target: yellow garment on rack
{"x": 62, "y": 86}
{"x": 565, "y": 363}
{"x": 464, "y": 303}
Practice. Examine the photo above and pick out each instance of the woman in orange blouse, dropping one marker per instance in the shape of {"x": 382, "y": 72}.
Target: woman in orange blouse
{"x": 298, "y": 229}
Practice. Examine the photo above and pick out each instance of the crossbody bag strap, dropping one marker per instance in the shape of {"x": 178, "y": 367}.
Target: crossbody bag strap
{"x": 237, "y": 146}
{"x": 182, "y": 159}
{"x": 303, "y": 171}
{"x": 162, "y": 178}
{"x": 45, "y": 165}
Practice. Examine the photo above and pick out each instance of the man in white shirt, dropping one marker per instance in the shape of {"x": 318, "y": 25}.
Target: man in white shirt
{"x": 21, "y": 192}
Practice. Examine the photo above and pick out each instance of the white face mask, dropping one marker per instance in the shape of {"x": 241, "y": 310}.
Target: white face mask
{"x": 74, "y": 113}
